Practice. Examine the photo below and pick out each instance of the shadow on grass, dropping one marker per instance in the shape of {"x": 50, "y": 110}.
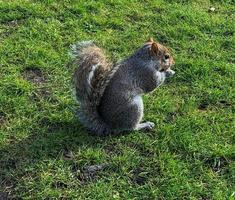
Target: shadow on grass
{"x": 50, "y": 140}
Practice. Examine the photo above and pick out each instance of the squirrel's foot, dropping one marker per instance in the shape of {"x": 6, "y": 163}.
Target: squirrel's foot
{"x": 145, "y": 126}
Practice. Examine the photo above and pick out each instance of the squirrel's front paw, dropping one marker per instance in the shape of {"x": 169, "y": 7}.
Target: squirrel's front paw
{"x": 169, "y": 72}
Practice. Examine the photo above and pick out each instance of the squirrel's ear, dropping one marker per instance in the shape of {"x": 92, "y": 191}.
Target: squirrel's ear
{"x": 154, "y": 48}
{"x": 150, "y": 40}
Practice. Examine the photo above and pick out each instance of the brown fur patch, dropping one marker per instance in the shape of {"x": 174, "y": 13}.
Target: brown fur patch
{"x": 160, "y": 51}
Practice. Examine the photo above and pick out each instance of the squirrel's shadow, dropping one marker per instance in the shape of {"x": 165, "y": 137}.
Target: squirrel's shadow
{"x": 57, "y": 139}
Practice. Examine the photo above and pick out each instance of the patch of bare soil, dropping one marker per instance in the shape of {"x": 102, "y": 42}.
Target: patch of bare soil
{"x": 34, "y": 75}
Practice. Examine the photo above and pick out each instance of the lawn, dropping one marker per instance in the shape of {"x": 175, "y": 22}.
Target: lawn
{"x": 45, "y": 153}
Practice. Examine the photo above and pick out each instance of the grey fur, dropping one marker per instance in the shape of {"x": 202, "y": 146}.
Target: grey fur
{"x": 136, "y": 75}
{"x": 116, "y": 104}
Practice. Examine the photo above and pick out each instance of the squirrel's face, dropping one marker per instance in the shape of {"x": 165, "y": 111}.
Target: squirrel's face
{"x": 161, "y": 55}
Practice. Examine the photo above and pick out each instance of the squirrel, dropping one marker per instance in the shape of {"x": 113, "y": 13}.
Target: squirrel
{"x": 110, "y": 94}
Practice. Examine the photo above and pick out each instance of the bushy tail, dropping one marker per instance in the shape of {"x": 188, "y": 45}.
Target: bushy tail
{"x": 92, "y": 75}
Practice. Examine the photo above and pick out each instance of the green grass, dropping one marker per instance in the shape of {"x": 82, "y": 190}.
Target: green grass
{"x": 44, "y": 149}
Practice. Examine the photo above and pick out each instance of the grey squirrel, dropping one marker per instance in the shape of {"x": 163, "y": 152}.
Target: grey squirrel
{"x": 110, "y": 94}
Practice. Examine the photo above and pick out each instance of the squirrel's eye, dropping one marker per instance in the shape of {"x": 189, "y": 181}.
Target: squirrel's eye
{"x": 166, "y": 56}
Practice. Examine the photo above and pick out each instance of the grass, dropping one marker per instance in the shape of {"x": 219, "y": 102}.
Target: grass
{"x": 44, "y": 150}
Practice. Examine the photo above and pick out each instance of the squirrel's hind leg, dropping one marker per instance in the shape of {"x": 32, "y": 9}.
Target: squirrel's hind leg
{"x": 145, "y": 126}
